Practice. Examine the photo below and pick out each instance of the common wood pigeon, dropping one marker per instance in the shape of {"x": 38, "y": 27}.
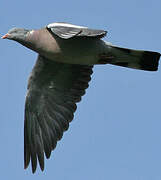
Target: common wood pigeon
{"x": 66, "y": 55}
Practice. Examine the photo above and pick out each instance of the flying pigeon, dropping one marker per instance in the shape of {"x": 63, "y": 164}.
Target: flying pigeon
{"x": 66, "y": 55}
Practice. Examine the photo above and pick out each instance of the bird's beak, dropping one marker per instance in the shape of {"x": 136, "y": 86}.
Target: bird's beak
{"x": 5, "y": 36}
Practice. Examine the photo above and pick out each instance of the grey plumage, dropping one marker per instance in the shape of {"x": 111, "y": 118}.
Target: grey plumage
{"x": 50, "y": 104}
{"x": 60, "y": 77}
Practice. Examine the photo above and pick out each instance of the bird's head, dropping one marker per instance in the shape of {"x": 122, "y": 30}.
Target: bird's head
{"x": 17, "y": 34}
{"x": 37, "y": 40}
{"x": 25, "y": 37}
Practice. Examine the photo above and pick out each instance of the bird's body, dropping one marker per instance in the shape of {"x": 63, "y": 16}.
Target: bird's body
{"x": 60, "y": 50}
{"x": 60, "y": 76}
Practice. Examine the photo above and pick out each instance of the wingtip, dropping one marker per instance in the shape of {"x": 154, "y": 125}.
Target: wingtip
{"x": 25, "y": 165}
{"x": 34, "y": 169}
{"x": 42, "y": 168}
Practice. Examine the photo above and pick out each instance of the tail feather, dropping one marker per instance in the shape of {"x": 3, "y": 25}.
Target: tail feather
{"x": 137, "y": 59}
{"x": 150, "y": 61}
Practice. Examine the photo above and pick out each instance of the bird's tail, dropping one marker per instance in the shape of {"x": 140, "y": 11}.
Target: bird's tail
{"x": 137, "y": 59}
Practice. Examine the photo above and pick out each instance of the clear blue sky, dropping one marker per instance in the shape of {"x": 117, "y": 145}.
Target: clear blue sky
{"x": 116, "y": 132}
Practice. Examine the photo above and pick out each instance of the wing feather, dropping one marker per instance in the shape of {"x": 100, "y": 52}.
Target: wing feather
{"x": 53, "y": 91}
{"x": 67, "y": 31}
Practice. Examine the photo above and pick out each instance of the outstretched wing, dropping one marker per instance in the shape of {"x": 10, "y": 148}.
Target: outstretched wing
{"x": 67, "y": 31}
{"x": 53, "y": 91}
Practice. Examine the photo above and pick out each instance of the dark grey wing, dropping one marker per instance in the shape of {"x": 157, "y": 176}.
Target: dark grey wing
{"x": 53, "y": 91}
{"x": 67, "y": 31}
